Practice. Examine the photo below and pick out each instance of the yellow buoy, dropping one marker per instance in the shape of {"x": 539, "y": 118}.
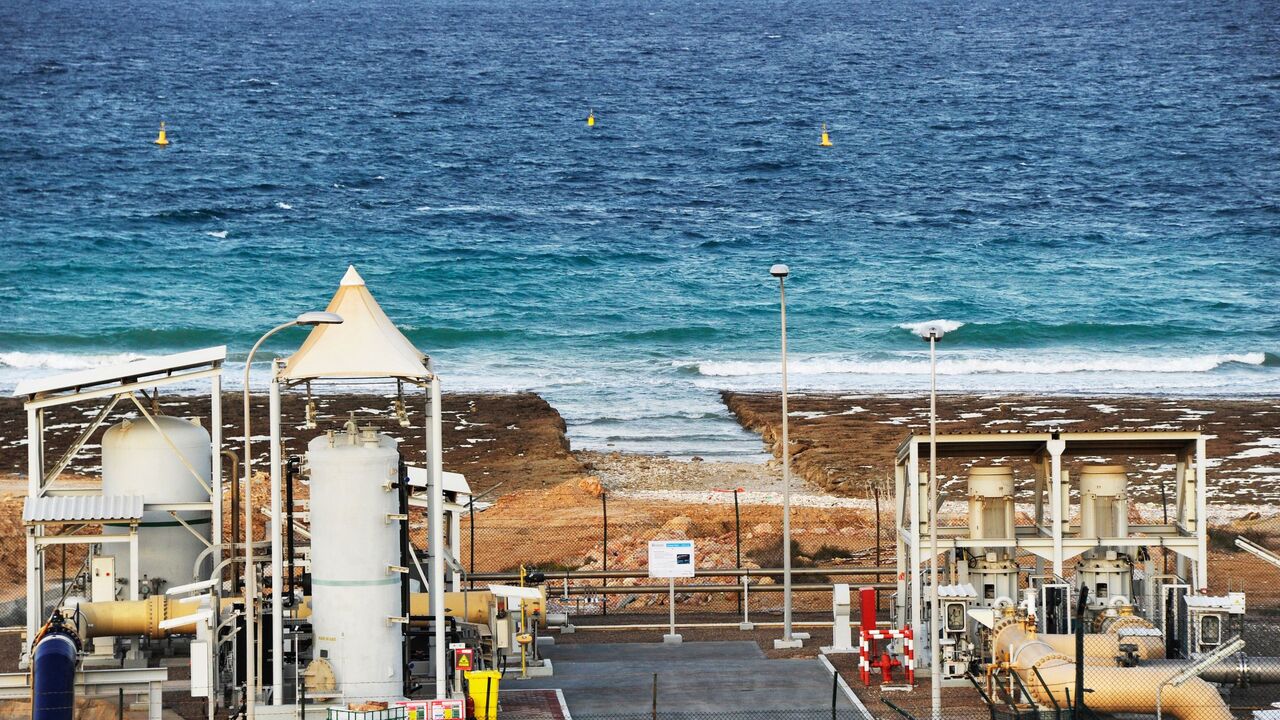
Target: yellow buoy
{"x": 591, "y": 119}
{"x": 826, "y": 139}
{"x": 162, "y": 139}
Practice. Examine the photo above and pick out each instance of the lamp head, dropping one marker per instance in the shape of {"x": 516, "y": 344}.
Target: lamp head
{"x": 319, "y": 318}
{"x": 779, "y": 271}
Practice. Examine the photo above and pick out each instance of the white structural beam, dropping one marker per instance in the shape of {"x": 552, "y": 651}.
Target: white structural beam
{"x": 1202, "y": 517}
{"x": 35, "y": 589}
{"x": 435, "y": 464}
{"x": 1058, "y": 513}
{"x": 215, "y": 458}
{"x": 127, "y": 387}
{"x": 913, "y": 513}
{"x": 277, "y": 551}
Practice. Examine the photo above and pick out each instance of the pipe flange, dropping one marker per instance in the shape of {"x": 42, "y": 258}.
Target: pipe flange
{"x": 1051, "y": 656}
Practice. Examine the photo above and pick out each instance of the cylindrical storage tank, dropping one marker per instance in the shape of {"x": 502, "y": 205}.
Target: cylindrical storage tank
{"x": 991, "y": 503}
{"x": 137, "y": 460}
{"x": 355, "y": 593}
{"x": 1104, "y": 507}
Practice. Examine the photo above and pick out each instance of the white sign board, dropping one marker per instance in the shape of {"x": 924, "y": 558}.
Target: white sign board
{"x": 671, "y": 559}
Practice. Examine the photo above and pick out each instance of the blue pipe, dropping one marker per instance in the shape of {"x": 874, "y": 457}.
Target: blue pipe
{"x": 53, "y": 669}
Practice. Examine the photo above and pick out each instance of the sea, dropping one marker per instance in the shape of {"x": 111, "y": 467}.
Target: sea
{"x": 1090, "y": 190}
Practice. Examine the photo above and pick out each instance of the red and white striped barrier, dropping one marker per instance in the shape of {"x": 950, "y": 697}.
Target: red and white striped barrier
{"x": 864, "y": 652}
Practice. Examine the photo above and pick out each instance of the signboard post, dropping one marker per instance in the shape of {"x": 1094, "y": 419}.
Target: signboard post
{"x": 671, "y": 559}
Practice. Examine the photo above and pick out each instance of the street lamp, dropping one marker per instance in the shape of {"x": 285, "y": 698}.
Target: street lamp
{"x": 788, "y": 640}
{"x": 307, "y": 318}
{"x": 933, "y": 332}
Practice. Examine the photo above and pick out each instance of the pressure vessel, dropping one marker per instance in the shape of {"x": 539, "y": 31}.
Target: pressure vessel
{"x": 355, "y": 548}
{"x": 139, "y": 459}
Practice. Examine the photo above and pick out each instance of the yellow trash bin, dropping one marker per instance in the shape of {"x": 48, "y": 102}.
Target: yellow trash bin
{"x": 482, "y": 685}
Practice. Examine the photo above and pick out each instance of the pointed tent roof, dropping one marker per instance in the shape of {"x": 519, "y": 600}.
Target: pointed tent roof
{"x": 365, "y": 345}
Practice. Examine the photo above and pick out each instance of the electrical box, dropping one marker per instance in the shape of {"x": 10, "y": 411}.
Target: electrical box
{"x": 199, "y": 668}
{"x": 841, "y": 610}
{"x": 103, "y": 586}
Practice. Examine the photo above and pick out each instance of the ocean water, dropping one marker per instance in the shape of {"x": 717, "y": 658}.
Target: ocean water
{"x": 1090, "y": 187}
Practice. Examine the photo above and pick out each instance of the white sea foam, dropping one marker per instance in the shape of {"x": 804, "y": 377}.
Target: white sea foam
{"x": 61, "y": 361}
{"x": 959, "y": 365}
{"x": 220, "y": 234}
{"x": 923, "y": 329}
{"x": 283, "y": 205}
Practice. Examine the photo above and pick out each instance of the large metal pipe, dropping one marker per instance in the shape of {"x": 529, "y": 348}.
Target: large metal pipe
{"x": 1049, "y": 675}
{"x": 1102, "y": 649}
{"x": 137, "y": 617}
{"x": 53, "y": 668}
{"x": 1239, "y": 670}
{"x": 1242, "y": 670}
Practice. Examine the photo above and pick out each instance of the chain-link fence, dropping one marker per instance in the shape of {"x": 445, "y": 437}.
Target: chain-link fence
{"x": 596, "y": 565}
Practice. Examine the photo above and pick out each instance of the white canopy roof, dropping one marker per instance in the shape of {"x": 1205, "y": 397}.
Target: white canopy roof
{"x": 365, "y": 345}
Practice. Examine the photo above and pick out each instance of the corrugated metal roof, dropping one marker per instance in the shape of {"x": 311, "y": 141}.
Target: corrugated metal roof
{"x": 964, "y": 590}
{"x": 82, "y": 508}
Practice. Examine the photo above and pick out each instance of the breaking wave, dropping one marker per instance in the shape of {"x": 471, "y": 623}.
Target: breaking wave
{"x": 1031, "y": 365}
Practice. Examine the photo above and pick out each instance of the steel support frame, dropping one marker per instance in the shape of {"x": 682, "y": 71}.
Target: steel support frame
{"x": 1186, "y": 535}
{"x": 41, "y": 483}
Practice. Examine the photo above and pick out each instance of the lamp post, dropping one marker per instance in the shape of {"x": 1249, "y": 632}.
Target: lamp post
{"x": 312, "y": 319}
{"x": 788, "y": 640}
{"x": 933, "y": 332}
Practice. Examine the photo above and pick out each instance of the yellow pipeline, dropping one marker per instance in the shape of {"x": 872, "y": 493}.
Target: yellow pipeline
{"x": 143, "y": 617}
{"x": 1115, "y": 689}
{"x": 1103, "y": 649}
{"x": 475, "y": 602}
{"x": 136, "y": 617}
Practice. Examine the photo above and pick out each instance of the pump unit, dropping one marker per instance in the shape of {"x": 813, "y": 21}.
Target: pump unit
{"x": 1104, "y": 514}
{"x": 992, "y": 571}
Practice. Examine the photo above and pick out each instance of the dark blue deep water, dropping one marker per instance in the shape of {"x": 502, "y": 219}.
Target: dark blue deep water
{"x": 1091, "y": 187}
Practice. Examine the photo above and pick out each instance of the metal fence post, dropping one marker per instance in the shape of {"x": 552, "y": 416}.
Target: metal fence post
{"x": 1080, "y": 608}
{"x": 875, "y": 491}
{"x": 737, "y": 539}
{"x": 471, "y": 516}
{"x": 655, "y": 696}
{"x": 835, "y": 686}
{"x": 604, "y": 563}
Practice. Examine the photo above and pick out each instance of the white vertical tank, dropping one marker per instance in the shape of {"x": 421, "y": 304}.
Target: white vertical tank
{"x": 354, "y": 591}
{"x": 136, "y": 460}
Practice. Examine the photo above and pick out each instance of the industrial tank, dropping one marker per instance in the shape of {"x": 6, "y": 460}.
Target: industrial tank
{"x": 137, "y": 460}
{"x": 355, "y": 544}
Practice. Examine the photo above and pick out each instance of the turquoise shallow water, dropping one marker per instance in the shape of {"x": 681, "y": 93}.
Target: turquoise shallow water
{"x": 1091, "y": 188}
